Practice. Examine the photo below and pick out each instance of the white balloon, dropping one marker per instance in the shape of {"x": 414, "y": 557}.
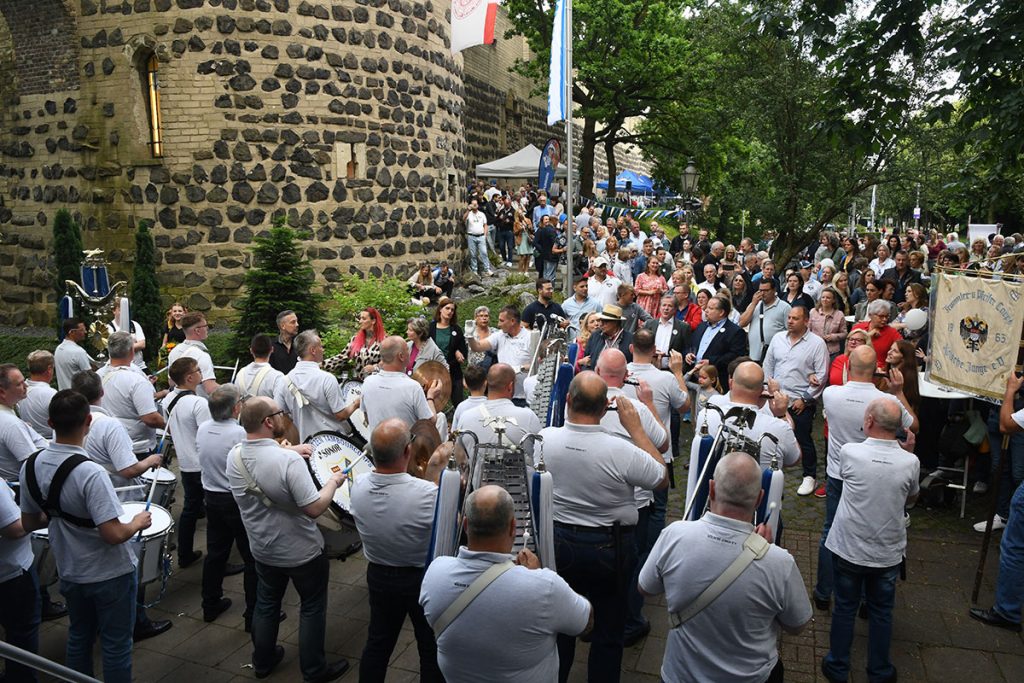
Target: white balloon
{"x": 915, "y": 319}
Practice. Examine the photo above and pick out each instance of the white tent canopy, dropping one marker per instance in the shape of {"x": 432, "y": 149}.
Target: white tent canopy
{"x": 521, "y": 164}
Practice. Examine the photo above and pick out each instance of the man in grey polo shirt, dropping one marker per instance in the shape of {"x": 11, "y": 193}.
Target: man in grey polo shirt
{"x": 69, "y": 357}
{"x": 844, "y": 407}
{"x": 311, "y": 395}
{"x": 35, "y": 407}
{"x": 17, "y": 439}
{"x": 279, "y": 505}
{"x": 96, "y": 568}
{"x": 19, "y": 587}
{"x": 260, "y": 378}
{"x": 394, "y": 514}
{"x": 868, "y": 539}
{"x": 501, "y": 385}
{"x": 196, "y": 330}
{"x": 764, "y": 318}
{"x": 128, "y": 395}
{"x": 735, "y": 637}
{"x": 391, "y": 393}
{"x": 508, "y": 632}
{"x": 594, "y": 475}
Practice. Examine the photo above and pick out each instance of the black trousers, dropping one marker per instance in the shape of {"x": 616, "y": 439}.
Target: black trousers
{"x": 394, "y": 594}
{"x": 20, "y": 617}
{"x": 223, "y": 528}
{"x": 191, "y": 510}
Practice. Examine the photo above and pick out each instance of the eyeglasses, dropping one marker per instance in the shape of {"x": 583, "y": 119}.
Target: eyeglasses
{"x": 279, "y": 412}
{"x": 412, "y": 437}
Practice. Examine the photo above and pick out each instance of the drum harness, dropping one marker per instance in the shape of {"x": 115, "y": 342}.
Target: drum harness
{"x": 257, "y": 381}
{"x": 51, "y": 503}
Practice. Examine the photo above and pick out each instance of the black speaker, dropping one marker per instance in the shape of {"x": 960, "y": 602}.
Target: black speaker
{"x": 629, "y": 186}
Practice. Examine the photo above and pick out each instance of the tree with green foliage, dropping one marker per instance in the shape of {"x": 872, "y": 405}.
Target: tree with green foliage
{"x": 281, "y": 278}
{"x": 67, "y": 251}
{"x": 390, "y": 296}
{"x": 146, "y": 308}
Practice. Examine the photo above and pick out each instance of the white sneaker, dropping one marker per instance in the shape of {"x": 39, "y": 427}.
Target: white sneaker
{"x": 997, "y": 524}
{"x": 980, "y": 487}
{"x": 906, "y": 519}
{"x": 806, "y": 487}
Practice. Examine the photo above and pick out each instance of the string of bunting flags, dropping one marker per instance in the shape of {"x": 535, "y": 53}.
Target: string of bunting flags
{"x": 608, "y": 211}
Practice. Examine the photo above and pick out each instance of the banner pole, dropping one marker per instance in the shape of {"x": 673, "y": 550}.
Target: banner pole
{"x": 994, "y": 492}
{"x": 570, "y": 227}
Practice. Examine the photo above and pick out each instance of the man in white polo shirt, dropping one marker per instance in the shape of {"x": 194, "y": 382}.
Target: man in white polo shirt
{"x": 868, "y": 539}
{"x": 734, "y": 638}
{"x": 128, "y": 395}
{"x": 69, "y": 357}
{"x": 196, "y": 330}
{"x": 185, "y": 411}
{"x": 35, "y": 407}
{"x": 512, "y": 346}
{"x": 602, "y": 285}
{"x": 19, "y": 593}
{"x": 311, "y": 395}
{"x": 17, "y": 439}
{"x": 259, "y": 378}
{"x": 501, "y": 383}
{"x": 508, "y": 632}
{"x": 279, "y": 505}
{"x": 394, "y": 514}
{"x": 391, "y": 393}
{"x": 594, "y": 476}
{"x": 844, "y": 407}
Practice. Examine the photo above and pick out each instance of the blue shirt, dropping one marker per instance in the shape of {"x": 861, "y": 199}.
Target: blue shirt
{"x": 540, "y": 211}
{"x": 709, "y": 334}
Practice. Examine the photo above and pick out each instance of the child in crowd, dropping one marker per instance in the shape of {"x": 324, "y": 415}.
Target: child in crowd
{"x": 706, "y": 385}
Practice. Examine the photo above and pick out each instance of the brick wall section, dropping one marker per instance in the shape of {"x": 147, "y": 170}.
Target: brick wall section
{"x": 46, "y": 54}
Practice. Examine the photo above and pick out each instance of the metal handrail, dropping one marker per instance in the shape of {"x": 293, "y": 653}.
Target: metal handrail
{"x": 42, "y": 664}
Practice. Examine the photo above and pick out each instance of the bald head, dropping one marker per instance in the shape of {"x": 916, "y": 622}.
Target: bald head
{"x": 392, "y": 351}
{"x": 747, "y": 382}
{"x": 489, "y": 514}
{"x": 501, "y": 381}
{"x": 737, "y": 486}
{"x": 388, "y": 442}
{"x": 882, "y": 418}
{"x": 862, "y": 363}
{"x": 611, "y": 367}
{"x": 588, "y": 397}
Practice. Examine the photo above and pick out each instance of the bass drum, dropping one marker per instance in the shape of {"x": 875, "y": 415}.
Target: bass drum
{"x": 332, "y": 453}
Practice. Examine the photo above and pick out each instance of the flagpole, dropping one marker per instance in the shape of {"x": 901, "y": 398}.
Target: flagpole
{"x": 571, "y": 218}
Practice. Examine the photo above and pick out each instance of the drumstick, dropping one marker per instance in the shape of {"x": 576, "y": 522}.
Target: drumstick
{"x": 156, "y": 479}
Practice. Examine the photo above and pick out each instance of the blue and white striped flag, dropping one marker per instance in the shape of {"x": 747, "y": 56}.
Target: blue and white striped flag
{"x": 558, "y": 109}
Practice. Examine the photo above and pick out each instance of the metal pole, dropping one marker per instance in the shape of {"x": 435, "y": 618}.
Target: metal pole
{"x": 917, "y": 205}
{"x": 570, "y": 227}
{"x": 874, "y": 188}
{"x": 50, "y": 668}
{"x": 987, "y": 538}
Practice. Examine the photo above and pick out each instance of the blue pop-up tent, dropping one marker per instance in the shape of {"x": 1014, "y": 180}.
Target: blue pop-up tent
{"x": 641, "y": 184}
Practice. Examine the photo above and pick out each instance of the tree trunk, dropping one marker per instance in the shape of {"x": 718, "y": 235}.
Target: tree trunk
{"x": 586, "y": 161}
{"x": 609, "y": 153}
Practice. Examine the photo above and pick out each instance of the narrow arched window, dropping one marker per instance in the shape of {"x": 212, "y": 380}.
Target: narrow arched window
{"x": 151, "y": 93}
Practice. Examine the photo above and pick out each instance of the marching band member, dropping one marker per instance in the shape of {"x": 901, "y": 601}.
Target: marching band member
{"x": 391, "y": 393}
{"x": 844, "y": 405}
{"x": 501, "y": 386}
{"x": 311, "y": 395}
{"x": 185, "y": 411}
{"x": 868, "y": 539}
{"x": 474, "y": 377}
{"x": 128, "y": 395}
{"x": 214, "y": 440}
{"x": 394, "y": 514}
{"x": 508, "y": 632}
{"x": 35, "y": 407}
{"x": 260, "y": 378}
{"x": 279, "y": 505}
{"x": 512, "y": 347}
{"x": 19, "y": 588}
{"x": 96, "y": 568}
{"x": 732, "y": 633}
{"x": 594, "y": 475}
{"x": 196, "y": 330}
{"x": 69, "y": 357}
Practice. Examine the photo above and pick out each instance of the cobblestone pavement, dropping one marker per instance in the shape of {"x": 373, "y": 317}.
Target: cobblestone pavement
{"x": 934, "y": 640}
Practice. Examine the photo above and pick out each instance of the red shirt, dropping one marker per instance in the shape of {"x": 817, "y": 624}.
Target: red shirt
{"x": 883, "y": 341}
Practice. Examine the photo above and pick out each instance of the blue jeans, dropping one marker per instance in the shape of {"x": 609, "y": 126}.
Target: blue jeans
{"x": 833, "y": 492}
{"x": 878, "y": 584}
{"x": 1015, "y": 472}
{"x": 643, "y": 542}
{"x": 803, "y": 423}
{"x": 550, "y": 268}
{"x": 310, "y": 581}
{"x": 506, "y": 246}
{"x": 478, "y": 254}
{"x": 594, "y": 567}
{"x": 107, "y": 609}
{"x": 1010, "y": 587}
{"x": 20, "y": 618}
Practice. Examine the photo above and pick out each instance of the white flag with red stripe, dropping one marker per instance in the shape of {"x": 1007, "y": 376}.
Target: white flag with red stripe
{"x": 473, "y": 23}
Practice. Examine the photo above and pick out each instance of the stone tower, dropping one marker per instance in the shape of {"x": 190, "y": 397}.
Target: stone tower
{"x": 211, "y": 117}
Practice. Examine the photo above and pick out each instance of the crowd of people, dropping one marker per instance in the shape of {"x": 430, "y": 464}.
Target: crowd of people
{"x": 668, "y": 331}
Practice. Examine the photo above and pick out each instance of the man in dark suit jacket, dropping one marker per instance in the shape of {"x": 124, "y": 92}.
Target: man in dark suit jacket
{"x": 902, "y": 275}
{"x": 611, "y": 336}
{"x": 725, "y": 341}
{"x": 680, "y": 335}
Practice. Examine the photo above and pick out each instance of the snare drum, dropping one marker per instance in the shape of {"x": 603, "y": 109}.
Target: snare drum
{"x": 357, "y": 423}
{"x": 151, "y": 549}
{"x": 166, "y": 482}
{"x": 44, "y": 563}
{"x": 332, "y": 453}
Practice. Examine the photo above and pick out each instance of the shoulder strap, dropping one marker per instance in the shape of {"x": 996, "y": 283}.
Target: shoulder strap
{"x": 469, "y": 595}
{"x": 256, "y": 382}
{"x": 112, "y": 372}
{"x": 250, "y": 482}
{"x": 177, "y": 398}
{"x": 754, "y": 548}
{"x": 51, "y": 504}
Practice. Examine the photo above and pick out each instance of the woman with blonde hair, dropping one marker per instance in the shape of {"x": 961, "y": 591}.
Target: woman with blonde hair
{"x": 174, "y": 334}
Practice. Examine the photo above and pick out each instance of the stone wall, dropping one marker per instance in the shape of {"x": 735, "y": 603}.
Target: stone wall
{"x": 265, "y": 105}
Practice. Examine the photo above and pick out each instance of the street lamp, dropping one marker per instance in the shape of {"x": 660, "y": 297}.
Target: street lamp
{"x": 690, "y": 177}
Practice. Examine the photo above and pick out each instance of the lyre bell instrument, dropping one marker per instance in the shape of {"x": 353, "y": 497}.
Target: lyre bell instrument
{"x": 551, "y": 369}
{"x": 432, "y": 370}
